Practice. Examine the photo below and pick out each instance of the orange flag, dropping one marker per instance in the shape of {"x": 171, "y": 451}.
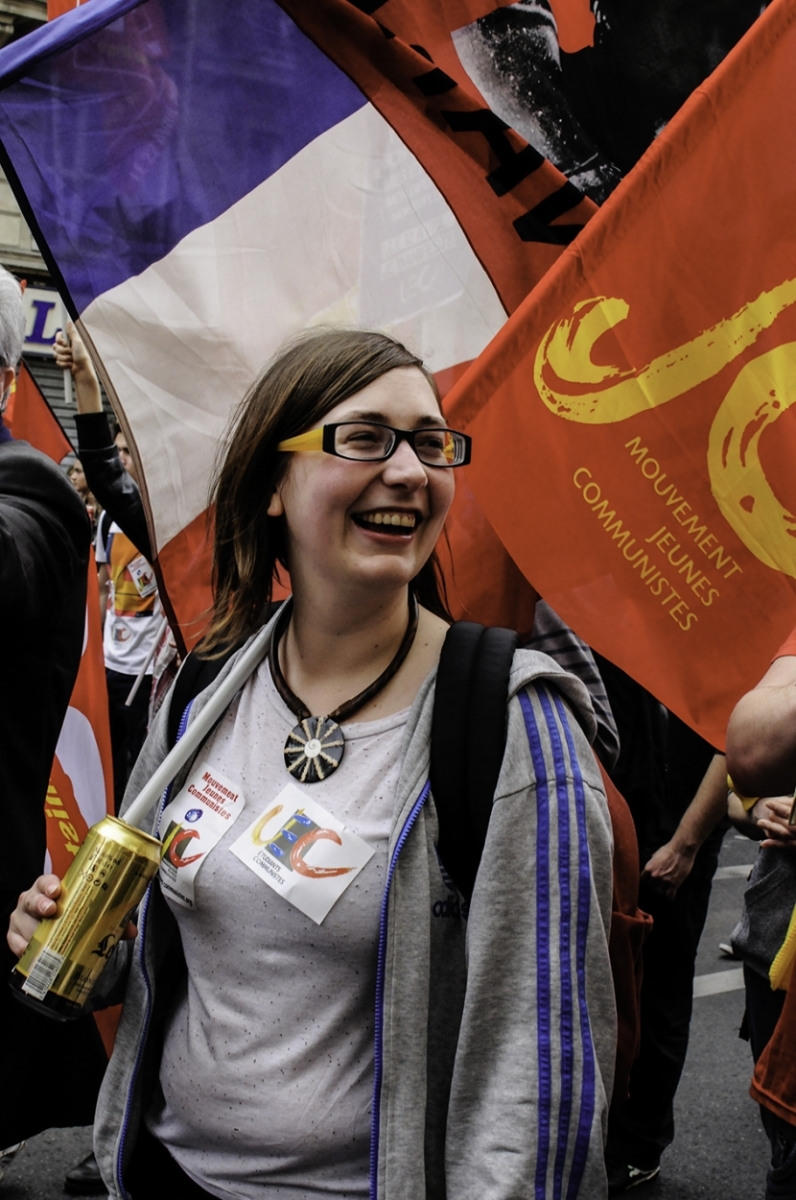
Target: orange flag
{"x": 482, "y": 583}
{"x": 634, "y": 444}
{"x": 81, "y": 781}
{"x": 30, "y": 418}
{"x": 56, "y": 8}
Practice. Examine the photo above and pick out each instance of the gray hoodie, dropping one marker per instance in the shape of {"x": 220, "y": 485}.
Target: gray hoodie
{"x": 495, "y": 1032}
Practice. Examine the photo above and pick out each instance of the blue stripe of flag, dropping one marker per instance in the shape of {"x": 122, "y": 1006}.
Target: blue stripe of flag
{"x": 128, "y": 125}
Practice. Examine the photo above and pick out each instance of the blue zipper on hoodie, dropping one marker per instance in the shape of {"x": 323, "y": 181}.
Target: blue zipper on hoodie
{"x": 379, "y": 1022}
{"x": 147, "y": 983}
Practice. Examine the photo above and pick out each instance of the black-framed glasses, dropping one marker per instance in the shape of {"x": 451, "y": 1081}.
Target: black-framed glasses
{"x": 371, "y": 441}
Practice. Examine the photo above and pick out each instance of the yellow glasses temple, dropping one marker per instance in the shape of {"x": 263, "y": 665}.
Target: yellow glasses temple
{"x": 313, "y": 440}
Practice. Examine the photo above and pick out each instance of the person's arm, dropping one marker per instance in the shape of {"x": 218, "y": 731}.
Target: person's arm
{"x": 671, "y": 863}
{"x": 767, "y": 822}
{"x": 116, "y": 491}
{"x": 537, "y": 1042}
{"x": 742, "y": 819}
{"x": 761, "y": 735}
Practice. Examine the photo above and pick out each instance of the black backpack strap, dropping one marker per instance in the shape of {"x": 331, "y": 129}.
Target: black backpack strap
{"x": 194, "y": 676}
{"x": 448, "y": 756}
{"x": 487, "y": 726}
{"x": 468, "y": 741}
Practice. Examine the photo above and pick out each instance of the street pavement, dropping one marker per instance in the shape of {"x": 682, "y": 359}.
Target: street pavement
{"x": 37, "y": 1172}
{"x": 719, "y": 1152}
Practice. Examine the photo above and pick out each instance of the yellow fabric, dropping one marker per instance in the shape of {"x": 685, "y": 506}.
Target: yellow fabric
{"x": 782, "y": 966}
{"x": 747, "y": 802}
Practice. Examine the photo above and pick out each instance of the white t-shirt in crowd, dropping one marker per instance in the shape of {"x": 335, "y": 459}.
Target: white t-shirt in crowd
{"x": 267, "y": 1068}
{"x": 132, "y": 620}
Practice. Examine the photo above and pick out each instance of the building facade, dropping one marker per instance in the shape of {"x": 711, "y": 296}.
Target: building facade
{"x": 20, "y": 254}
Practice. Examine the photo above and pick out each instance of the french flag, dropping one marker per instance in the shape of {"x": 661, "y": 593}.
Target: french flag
{"x": 206, "y": 179}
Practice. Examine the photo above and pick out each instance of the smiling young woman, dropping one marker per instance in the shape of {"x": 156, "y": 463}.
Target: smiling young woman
{"x": 309, "y": 1010}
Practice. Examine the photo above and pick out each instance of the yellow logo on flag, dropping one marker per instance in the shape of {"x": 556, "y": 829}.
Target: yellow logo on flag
{"x": 576, "y": 388}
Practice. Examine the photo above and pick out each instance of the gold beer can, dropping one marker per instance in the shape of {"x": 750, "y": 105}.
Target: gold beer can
{"x": 99, "y": 893}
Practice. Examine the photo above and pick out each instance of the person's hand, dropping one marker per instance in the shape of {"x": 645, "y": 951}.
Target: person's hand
{"x": 37, "y": 903}
{"x": 771, "y": 815}
{"x": 668, "y": 868}
{"x": 72, "y": 357}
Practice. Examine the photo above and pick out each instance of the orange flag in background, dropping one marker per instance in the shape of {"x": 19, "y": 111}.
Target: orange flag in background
{"x": 81, "y": 782}
{"x": 482, "y": 583}
{"x": 30, "y": 418}
{"x": 56, "y": 8}
{"x": 634, "y": 444}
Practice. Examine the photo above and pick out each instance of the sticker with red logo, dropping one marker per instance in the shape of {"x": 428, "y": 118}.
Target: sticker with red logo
{"x": 194, "y": 822}
{"x": 303, "y": 852}
{"x": 143, "y": 576}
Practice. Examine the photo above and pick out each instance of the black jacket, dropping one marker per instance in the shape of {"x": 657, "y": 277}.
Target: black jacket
{"x": 44, "y": 546}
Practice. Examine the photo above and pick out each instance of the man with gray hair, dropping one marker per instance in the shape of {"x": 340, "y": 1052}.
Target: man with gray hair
{"x": 44, "y": 551}
{"x": 12, "y": 332}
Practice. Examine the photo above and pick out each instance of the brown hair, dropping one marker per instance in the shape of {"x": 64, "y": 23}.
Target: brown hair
{"x": 308, "y": 377}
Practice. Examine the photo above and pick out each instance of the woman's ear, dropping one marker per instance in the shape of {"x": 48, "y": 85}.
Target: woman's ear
{"x": 275, "y": 506}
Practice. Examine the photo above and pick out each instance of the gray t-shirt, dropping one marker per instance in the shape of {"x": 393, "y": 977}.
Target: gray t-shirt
{"x": 267, "y": 1068}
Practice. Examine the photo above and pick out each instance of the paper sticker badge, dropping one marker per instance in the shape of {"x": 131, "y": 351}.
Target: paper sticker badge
{"x": 303, "y": 852}
{"x": 143, "y": 576}
{"x": 192, "y": 825}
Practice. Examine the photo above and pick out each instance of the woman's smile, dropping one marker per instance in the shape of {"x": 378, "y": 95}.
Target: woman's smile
{"x": 389, "y": 522}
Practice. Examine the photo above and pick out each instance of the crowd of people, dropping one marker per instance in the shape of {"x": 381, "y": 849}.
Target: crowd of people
{"x": 314, "y": 1003}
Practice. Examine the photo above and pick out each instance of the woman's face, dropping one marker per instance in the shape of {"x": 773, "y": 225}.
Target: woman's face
{"x": 335, "y": 509}
{"x": 78, "y": 477}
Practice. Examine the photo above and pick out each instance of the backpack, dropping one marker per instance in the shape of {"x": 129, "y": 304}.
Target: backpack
{"x": 468, "y": 740}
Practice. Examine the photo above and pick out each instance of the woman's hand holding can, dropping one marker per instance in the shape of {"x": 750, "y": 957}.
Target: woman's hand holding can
{"x": 37, "y": 903}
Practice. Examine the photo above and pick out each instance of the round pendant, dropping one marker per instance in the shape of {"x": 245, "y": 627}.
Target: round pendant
{"x": 314, "y": 749}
